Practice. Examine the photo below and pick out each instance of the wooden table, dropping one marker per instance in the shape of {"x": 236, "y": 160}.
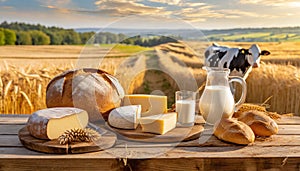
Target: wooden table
{"x": 280, "y": 152}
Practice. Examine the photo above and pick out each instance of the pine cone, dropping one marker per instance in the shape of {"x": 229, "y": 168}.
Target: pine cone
{"x": 78, "y": 135}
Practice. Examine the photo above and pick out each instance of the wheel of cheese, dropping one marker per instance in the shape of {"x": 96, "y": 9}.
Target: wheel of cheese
{"x": 52, "y": 122}
{"x": 125, "y": 117}
{"x": 89, "y": 89}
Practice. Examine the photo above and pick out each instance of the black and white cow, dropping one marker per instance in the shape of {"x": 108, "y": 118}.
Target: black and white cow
{"x": 238, "y": 59}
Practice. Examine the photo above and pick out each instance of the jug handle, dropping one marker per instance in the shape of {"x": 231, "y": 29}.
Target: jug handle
{"x": 241, "y": 81}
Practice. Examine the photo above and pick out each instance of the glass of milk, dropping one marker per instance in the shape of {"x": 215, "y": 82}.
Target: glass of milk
{"x": 185, "y": 108}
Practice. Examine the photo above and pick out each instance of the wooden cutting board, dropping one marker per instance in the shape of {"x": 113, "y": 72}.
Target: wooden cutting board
{"x": 106, "y": 141}
{"x": 175, "y": 135}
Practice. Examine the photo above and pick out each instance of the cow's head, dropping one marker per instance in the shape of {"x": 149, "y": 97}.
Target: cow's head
{"x": 253, "y": 55}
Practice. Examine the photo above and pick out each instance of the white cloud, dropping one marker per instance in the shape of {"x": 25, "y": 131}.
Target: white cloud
{"x": 169, "y": 2}
{"x": 58, "y": 3}
{"x": 198, "y": 4}
{"x": 125, "y": 7}
{"x": 278, "y": 3}
{"x": 200, "y": 14}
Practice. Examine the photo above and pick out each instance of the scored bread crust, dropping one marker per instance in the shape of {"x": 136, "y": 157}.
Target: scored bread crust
{"x": 232, "y": 130}
{"x": 90, "y": 89}
{"x": 260, "y": 123}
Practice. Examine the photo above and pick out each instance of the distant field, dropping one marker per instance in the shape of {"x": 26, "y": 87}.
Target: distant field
{"x": 26, "y": 70}
{"x": 256, "y": 36}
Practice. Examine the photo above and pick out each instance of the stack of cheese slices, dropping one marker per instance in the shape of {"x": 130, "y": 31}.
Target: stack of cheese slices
{"x": 150, "y": 111}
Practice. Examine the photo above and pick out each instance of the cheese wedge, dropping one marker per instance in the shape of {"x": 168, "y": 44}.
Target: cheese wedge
{"x": 151, "y": 104}
{"x": 52, "y": 122}
{"x": 159, "y": 124}
{"x": 125, "y": 117}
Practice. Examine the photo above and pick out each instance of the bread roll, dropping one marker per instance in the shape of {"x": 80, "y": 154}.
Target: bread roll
{"x": 261, "y": 124}
{"x": 234, "y": 131}
{"x": 89, "y": 89}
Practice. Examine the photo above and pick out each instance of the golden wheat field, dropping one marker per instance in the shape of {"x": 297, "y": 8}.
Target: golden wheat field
{"x": 26, "y": 70}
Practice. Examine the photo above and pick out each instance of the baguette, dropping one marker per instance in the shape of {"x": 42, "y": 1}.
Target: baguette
{"x": 234, "y": 131}
{"x": 261, "y": 124}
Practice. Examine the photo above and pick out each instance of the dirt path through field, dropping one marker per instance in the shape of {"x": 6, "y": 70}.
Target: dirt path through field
{"x": 156, "y": 72}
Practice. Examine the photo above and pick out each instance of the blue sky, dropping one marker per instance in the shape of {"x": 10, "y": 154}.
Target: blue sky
{"x": 205, "y": 14}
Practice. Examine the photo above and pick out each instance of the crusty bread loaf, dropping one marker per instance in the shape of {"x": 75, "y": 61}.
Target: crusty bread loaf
{"x": 261, "y": 124}
{"x": 89, "y": 89}
{"x": 232, "y": 130}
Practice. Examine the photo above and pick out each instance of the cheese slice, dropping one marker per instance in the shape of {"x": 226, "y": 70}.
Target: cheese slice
{"x": 151, "y": 104}
{"x": 159, "y": 124}
{"x": 125, "y": 117}
{"x": 52, "y": 122}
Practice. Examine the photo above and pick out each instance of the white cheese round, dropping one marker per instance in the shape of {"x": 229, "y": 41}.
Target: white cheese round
{"x": 125, "y": 117}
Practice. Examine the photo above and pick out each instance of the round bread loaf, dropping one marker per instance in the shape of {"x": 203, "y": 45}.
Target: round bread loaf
{"x": 234, "y": 131}
{"x": 89, "y": 89}
{"x": 260, "y": 123}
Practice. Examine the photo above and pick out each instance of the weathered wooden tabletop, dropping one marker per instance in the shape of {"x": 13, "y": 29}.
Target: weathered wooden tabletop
{"x": 280, "y": 152}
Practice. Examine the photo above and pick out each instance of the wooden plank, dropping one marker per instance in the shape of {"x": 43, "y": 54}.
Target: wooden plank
{"x": 10, "y": 141}
{"x": 10, "y": 129}
{"x": 289, "y": 130}
{"x": 13, "y": 119}
{"x": 163, "y": 153}
{"x": 24, "y": 153}
{"x": 62, "y": 164}
{"x": 275, "y": 140}
{"x": 189, "y": 158}
{"x": 285, "y": 120}
{"x": 204, "y": 164}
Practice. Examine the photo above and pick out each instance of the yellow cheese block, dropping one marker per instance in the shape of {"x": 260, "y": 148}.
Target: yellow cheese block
{"x": 159, "y": 124}
{"x": 151, "y": 104}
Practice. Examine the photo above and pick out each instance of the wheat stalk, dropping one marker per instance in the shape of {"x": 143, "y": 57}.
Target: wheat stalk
{"x": 6, "y": 66}
{"x": 1, "y": 86}
{"x": 6, "y": 89}
{"x": 27, "y": 100}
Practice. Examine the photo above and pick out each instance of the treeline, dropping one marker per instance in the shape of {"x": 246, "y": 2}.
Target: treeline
{"x": 149, "y": 41}
{"x": 29, "y": 34}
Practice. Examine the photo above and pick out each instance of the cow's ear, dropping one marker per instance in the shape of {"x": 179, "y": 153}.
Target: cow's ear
{"x": 265, "y": 52}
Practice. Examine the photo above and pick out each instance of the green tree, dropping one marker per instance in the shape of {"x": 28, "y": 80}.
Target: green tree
{"x": 23, "y": 38}
{"x": 10, "y": 37}
{"x": 56, "y": 37}
{"x": 101, "y": 38}
{"x": 87, "y": 36}
{"x": 121, "y": 37}
{"x": 39, "y": 38}
{"x": 71, "y": 37}
{"x": 2, "y": 37}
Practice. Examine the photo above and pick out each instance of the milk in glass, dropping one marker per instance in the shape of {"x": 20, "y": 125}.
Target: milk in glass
{"x": 185, "y": 108}
{"x": 186, "y": 111}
